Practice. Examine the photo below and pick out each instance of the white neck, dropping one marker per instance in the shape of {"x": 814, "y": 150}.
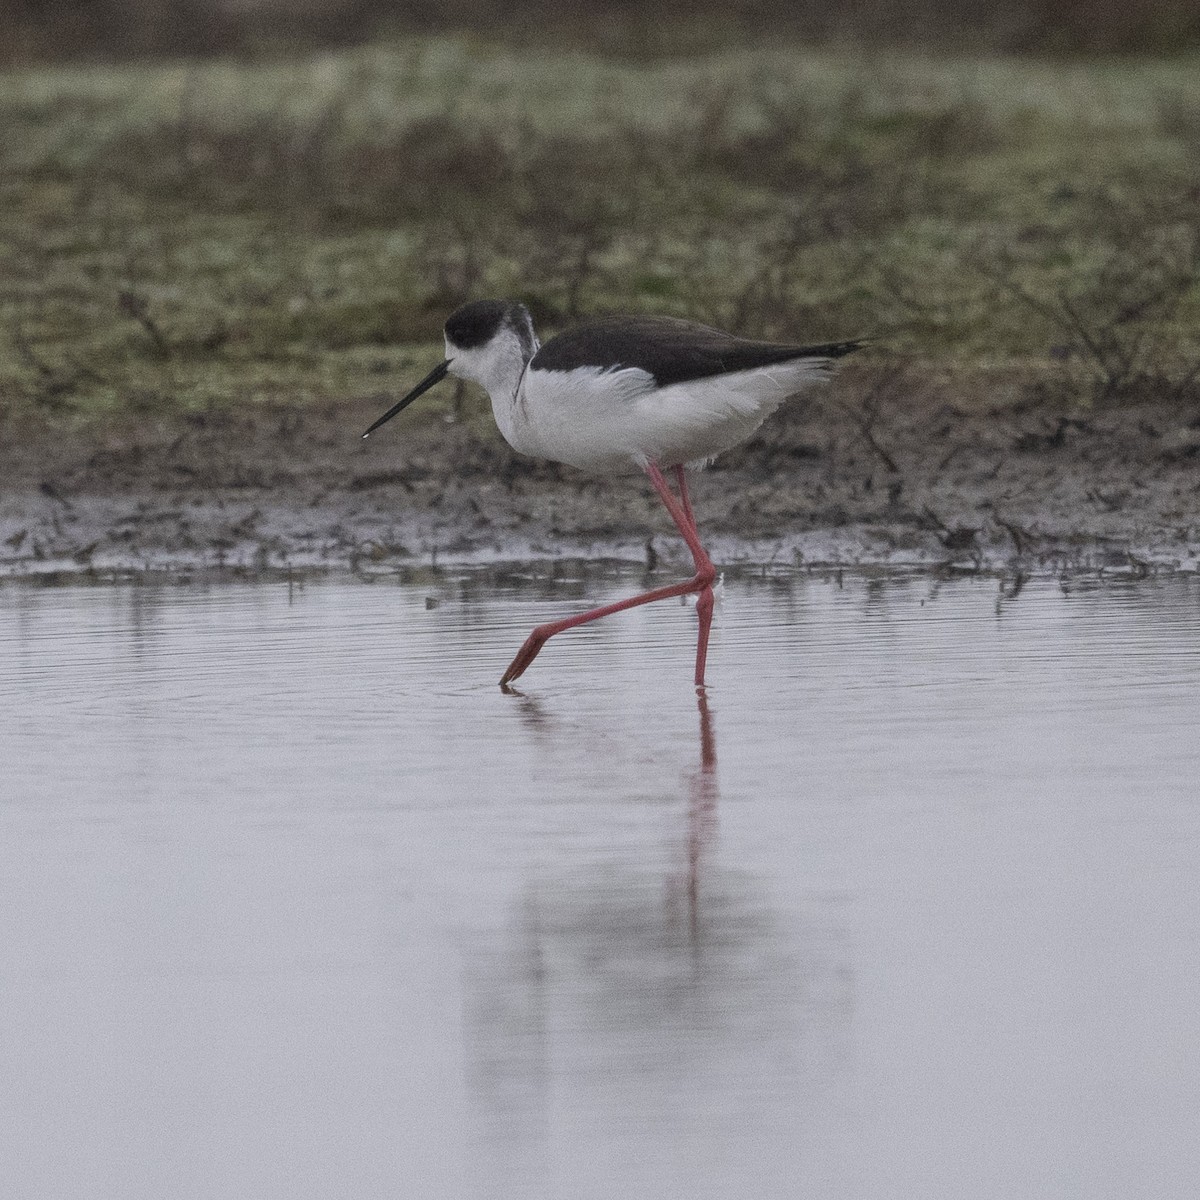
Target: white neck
{"x": 497, "y": 367}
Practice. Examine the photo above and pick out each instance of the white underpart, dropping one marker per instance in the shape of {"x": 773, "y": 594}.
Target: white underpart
{"x": 602, "y": 419}
{"x": 611, "y": 419}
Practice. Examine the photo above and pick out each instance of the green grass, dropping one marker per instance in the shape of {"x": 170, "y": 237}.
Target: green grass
{"x": 194, "y": 235}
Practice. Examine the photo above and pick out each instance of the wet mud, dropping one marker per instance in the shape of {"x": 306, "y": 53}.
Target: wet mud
{"x": 867, "y": 473}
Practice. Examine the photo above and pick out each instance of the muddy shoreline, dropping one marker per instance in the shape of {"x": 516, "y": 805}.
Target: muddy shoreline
{"x": 870, "y": 473}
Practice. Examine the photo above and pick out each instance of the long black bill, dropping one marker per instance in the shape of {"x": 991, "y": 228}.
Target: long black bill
{"x": 435, "y": 376}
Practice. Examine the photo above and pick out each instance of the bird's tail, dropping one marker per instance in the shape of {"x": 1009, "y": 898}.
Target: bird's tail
{"x": 822, "y": 357}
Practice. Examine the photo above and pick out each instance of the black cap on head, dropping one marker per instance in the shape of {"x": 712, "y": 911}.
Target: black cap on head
{"x": 476, "y": 323}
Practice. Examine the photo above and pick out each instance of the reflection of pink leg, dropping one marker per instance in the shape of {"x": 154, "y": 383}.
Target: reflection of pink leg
{"x": 702, "y": 809}
{"x": 704, "y": 601}
{"x": 701, "y": 582}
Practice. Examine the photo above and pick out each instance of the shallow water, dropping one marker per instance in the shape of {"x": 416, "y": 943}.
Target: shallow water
{"x": 295, "y": 903}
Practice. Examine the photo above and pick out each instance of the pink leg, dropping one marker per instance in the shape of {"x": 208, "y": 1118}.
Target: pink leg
{"x": 704, "y": 602}
{"x": 685, "y": 500}
{"x": 701, "y": 582}
{"x": 704, "y": 611}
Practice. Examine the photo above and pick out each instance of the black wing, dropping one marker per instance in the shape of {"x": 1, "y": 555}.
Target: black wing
{"x": 671, "y": 350}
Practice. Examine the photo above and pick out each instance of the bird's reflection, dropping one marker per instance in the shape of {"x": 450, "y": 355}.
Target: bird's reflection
{"x": 702, "y": 788}
{"x": 703, "y": 795}
{"x": 534, "y": 714}
{"x": 636, "y": 983}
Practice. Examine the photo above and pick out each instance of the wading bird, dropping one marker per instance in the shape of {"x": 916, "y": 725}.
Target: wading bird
{"x": 653, "y": 392}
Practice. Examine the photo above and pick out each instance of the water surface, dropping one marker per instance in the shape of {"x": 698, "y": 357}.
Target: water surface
{"x": 295, "y": 903}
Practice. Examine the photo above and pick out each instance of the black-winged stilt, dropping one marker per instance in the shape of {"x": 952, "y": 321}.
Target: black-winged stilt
{"x": 646, "y": 392}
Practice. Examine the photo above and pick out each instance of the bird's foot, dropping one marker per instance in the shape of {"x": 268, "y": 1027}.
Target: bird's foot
{"x": 527, "y": 653}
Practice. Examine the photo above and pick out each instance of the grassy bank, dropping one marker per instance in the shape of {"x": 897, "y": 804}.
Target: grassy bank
{"x": 183, "y": 237}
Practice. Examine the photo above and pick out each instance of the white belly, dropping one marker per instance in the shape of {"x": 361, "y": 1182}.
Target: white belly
{"x": 614, "y": 420}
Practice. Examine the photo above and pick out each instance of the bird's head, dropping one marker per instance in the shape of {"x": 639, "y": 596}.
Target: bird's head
{"x": 488, "y": 342}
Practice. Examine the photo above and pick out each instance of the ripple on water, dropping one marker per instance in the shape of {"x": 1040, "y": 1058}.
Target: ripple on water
{"x": 288, "y": 850}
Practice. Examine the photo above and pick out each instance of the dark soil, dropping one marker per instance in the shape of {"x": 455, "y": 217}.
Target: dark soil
{"x": 869, "y": 472}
